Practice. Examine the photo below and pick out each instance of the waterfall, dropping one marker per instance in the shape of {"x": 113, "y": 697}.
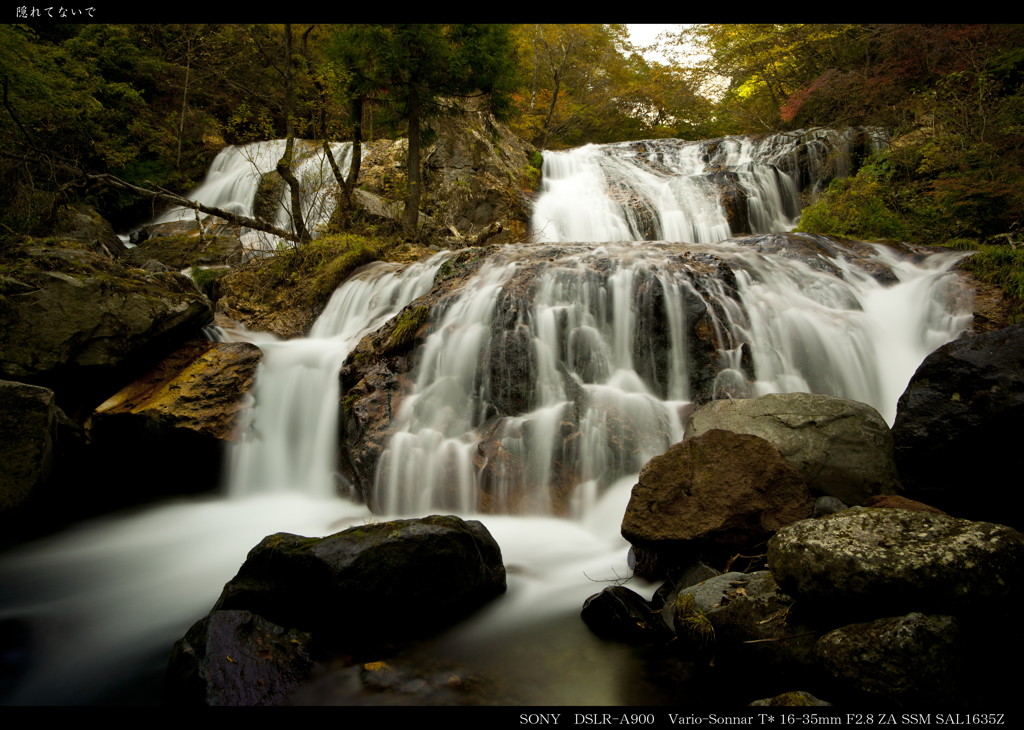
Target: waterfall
{"x": 238, "y": 172}
{"x": 543, "y": 385}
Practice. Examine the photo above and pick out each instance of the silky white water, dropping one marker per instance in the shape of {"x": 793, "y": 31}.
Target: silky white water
{"x": 581, "y": 382}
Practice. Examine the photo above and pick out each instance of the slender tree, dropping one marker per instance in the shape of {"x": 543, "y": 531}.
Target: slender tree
{"x": 413, "y": 69}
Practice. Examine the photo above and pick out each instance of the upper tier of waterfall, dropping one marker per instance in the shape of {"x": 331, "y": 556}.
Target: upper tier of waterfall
{"x": 698, "y": 192}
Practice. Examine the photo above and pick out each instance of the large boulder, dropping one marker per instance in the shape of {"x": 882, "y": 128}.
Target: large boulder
{"x": 370, "y": 584}
{"x": 188, "y": 404}
{"x": 72, "y": 318}
{"x": 714, "y": 494}
{"x": 957, "y": 427}
{"x": 353, "y": 596}
{"x": 861, "y": 559}
{"x": 843, "y": 448}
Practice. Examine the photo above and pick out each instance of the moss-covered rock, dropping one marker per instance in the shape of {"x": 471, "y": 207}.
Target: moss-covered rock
{"x": 178, "y": 247}
{"x": 910, "y": 658}
{"x": 906, "y": 560}
{"x": 285, "y": 293}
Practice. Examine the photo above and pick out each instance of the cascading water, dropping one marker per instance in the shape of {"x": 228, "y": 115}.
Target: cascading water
{"x": 542, "y": 388}
{"x": 539, "y": 411}
{"x": 290, "y": 439}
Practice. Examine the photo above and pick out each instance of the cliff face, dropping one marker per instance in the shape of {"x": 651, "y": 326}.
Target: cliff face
{"x": 476, "y": 173}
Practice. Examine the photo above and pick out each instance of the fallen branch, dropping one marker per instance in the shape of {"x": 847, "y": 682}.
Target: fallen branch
{"x": 233, "y": 218}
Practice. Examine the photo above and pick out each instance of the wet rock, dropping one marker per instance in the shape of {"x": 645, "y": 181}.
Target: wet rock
{"x": 476, "y": 172}
{"x": 236, "y": 659}
{"x": 819, "y": 252}
{"x": 622, "y": 614}
{"x": 894, "y": 501}
{"x": 718, "y": 493}
{"x": 857, "y": 560}
{"x": 179, "y": 246}
{"x": 372, "y": 584}
{"x": 680, "y": 607}
{"x": 82, "y": 224}
{"x": 798, "y": 698}
{"x": 843, "y": 448}
{"x": 759, "y": 632}
{"x": 33, "y": 430}
{"x": 680, "y": 579}
{"x": 829, "y": 505}
{"x": 957, "y": 426}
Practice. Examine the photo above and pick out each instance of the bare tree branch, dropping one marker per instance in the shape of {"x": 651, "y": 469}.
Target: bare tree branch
{"x": 234, "y": 218}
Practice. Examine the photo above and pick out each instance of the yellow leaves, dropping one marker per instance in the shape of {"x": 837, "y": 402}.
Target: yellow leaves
{"x": 375, "y": 666}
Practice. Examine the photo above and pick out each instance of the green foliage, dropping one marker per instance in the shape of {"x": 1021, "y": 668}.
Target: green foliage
{"x": 582, "y": 83}
{"x": 205, "y": 278}
{"x": 1004, "y": 267}
{"x": 857, "y": 207}
{"x": 694, "y": 623}
{"x": 407, "y": 325}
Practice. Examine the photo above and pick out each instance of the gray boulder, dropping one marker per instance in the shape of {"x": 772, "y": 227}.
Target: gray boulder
{"x": 842, "y": 448}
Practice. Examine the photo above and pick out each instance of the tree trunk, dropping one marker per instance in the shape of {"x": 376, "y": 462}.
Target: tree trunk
{"x": 348, "y": 184}
{"x": 284, "y": 165}
{"x": 410, "y": 218}
{"x": 357, "y": 147}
